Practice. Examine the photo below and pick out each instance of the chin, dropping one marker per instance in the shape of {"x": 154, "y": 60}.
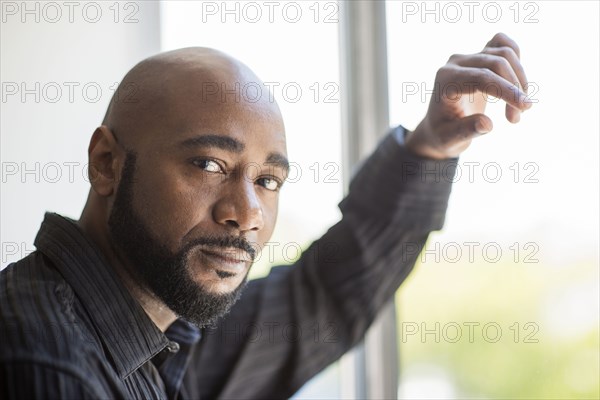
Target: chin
{"x": 214, "y": 284}
{"x": 213, "y": 280}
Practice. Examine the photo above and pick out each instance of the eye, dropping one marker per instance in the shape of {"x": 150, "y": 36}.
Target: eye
{"x": 269, "y": 184}
{"x": 208, "y": 165}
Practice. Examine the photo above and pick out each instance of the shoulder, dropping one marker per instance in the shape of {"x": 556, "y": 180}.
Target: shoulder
{"x": 24, "y": 379}
{"x": 39, "y": 315}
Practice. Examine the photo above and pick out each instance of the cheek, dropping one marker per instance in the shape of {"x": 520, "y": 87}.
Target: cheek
{"x": 171, "y": 205}
{"x": 270, "y": 210}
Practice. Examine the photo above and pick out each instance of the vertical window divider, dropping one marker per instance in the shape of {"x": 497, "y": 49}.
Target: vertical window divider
{"x": 370, "y": 371}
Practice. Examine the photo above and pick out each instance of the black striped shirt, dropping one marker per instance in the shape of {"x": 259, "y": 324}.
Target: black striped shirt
{"x": 69, "y": 329}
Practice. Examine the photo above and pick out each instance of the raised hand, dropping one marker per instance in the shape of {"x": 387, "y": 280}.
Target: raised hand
{"x": 456, "y": 110}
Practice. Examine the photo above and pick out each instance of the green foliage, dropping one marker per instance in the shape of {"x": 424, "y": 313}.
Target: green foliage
{"x": 548, "y": 347}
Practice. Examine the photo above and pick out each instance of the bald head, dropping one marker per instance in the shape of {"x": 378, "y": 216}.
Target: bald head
{"x": 184, "y": 83}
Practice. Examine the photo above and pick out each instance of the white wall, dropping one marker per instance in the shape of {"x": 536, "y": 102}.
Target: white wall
{"x": 54, "y": 52}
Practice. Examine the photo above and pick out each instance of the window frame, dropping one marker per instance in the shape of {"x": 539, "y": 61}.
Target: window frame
{"x": 371, "y": 369}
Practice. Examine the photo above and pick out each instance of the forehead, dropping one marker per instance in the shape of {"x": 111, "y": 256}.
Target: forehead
{"x": 220, "y": 108}
{"x": 256, "y": 126}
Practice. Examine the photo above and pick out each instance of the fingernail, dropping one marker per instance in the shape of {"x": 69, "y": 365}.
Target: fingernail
{"x": 480, "y": 128}
{"x": 527, "y": 102}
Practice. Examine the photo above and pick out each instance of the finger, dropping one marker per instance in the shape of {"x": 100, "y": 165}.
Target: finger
{"x": 500, "y": 40}
{"x": 514, "y": 61}
{"x": 500, "y": 65}
{"x": 504, "y": 46}
{"x": 512, "y": 114}
{"x": 486, "y": 81}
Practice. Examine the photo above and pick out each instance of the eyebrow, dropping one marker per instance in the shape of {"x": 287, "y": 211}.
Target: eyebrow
{"x": 221, "y": 142}
{"x": 235, "y": 146}
{"x": 278, "y": 160}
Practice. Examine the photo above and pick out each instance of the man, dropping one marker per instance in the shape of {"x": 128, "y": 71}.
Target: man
{"x": 127, "y": 302}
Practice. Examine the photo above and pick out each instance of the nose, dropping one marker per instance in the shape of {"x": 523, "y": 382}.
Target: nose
{"x": 239, "y": 207}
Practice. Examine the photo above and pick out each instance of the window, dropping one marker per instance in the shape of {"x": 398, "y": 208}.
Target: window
{"x": 504, "y": 302}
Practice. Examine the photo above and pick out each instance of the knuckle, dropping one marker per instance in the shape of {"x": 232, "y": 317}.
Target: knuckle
{"x": 504, "y": 52}
{"x": 484, "y": 74}
{"x": 515, "y": 47}
{"x": 497, "y": 65}
{"x": 489, "y": 50}
{"x": 501, "y": 38}
{"x": 454, "y": 58}
{"x": 507, "y": 52}
{"x": 502, "y": 64}
{"x": 443, "y": 73}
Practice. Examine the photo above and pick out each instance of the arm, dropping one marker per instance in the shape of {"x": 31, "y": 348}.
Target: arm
{"x": 293, "y": 323}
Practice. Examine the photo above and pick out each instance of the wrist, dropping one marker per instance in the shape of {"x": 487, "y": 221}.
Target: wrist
{"x": 418, "y": 143}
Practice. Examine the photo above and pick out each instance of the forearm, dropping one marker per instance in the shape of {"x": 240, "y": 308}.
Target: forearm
{"x": 343, "y": 279}
{"x": 394, "y": 201}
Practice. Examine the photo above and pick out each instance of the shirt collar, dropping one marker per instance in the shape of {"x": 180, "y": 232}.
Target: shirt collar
{"x": 124, "y": 327}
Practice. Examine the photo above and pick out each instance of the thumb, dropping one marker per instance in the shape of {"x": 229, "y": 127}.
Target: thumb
{"x": 469, "y": 127}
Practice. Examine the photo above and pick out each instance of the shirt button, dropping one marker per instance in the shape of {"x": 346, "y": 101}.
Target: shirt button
{"x": 173, "y": 347}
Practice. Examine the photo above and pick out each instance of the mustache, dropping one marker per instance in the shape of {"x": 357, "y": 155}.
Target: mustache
{"x": 224, "y": 242}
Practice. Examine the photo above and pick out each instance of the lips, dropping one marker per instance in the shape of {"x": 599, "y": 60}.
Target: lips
{"x": 231, "y": 261}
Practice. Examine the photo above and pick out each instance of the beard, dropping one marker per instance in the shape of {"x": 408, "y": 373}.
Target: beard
{"x": 162, "y": 272}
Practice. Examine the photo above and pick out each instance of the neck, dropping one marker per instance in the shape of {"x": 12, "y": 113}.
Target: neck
{"x": 96, "y": 228}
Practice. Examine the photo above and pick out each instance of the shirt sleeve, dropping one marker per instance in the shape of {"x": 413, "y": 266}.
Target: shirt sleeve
{"x": 289, "y": 326}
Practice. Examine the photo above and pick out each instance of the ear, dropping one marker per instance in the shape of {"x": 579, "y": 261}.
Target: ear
{"x": 103, "y": 159}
